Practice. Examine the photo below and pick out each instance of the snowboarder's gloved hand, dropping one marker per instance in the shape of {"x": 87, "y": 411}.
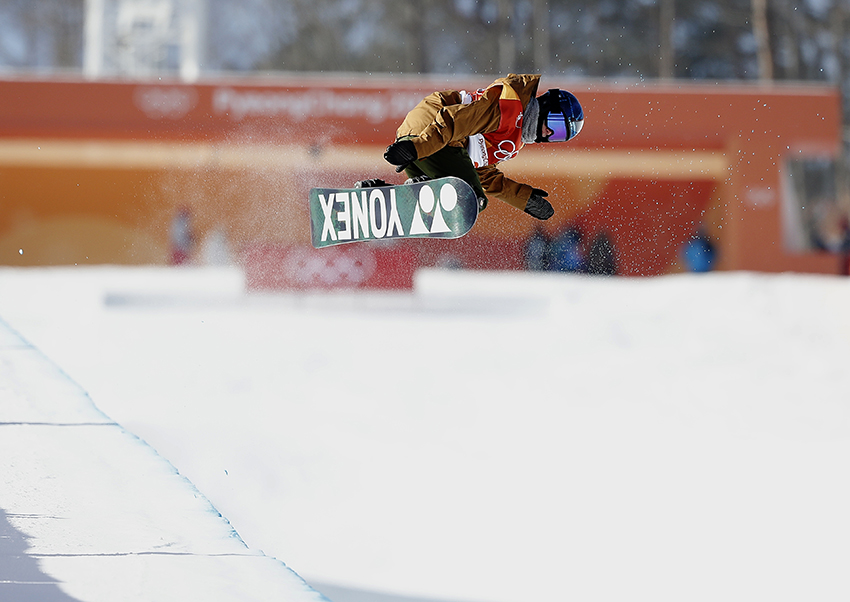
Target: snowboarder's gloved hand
{"x": 401, "y": 153}
{"x": 539, "y": 207}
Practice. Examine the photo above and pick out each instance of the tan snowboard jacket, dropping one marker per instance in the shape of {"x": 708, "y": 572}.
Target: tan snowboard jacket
{"x": 441, "y": 120}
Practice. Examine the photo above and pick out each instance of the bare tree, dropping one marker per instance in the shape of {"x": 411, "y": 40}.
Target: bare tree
{"x": 761, "y": 33}
{"x": 415, "y": 42}
{"x": 42, "y": 33}
{"x": 666, "y": 59}
{"x": 507, "y": 44}
{"x": 540, "y": 36}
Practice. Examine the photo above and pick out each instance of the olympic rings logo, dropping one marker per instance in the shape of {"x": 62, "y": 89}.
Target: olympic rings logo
{"x": 507, "y": 150}
{"x": 343, "y": 268}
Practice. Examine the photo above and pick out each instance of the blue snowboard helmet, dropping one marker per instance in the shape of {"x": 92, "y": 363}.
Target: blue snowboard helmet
{"x": 561, "y": 112}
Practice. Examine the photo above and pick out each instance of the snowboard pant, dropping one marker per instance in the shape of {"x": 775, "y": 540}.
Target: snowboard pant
{"x": 448, "y": 161}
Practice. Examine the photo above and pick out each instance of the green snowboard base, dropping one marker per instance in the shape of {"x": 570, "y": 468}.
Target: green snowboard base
{"x": 442, "y": 208}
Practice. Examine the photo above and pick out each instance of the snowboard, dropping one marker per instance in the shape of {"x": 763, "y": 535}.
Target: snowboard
{"x": 441, "y": 208}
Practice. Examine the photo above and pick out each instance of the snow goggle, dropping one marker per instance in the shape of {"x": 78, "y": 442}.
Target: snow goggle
{"x": 561, "y": 130}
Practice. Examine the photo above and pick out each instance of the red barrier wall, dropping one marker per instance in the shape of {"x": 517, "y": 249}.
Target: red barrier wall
{"x": 94, "y": 172}
{"x": 282, "y": 267}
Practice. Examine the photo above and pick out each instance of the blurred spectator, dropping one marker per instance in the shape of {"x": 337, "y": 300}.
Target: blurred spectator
{"x": 215, "y": 250}
{"x": 182, "y": 237}
{"x": 566, "y": 251}
{"x": 844, "y": 249}
{"x": 602, "y": 259}
{"x": 537, "y": 251}
{"x": 699, "y": 252}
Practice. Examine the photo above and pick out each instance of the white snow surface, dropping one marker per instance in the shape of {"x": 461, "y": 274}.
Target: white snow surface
{"x": 88, "y": 512}
{"x": 492, "y": 437}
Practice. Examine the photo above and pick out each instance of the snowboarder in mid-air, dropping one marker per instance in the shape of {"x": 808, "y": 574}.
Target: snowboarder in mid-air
{"x": 466, "y": 135}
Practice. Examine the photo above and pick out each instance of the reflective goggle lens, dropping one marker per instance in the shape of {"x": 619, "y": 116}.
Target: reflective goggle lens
{"x": 558, "y": 125}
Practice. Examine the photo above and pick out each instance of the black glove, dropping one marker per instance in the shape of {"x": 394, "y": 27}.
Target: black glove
{"x": 539, "y": 207}
{"x": 401, "y": 153}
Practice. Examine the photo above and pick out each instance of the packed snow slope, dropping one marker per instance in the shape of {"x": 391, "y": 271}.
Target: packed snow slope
{"x": 90, "y": 513}
{"x": 496, "y": 437}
